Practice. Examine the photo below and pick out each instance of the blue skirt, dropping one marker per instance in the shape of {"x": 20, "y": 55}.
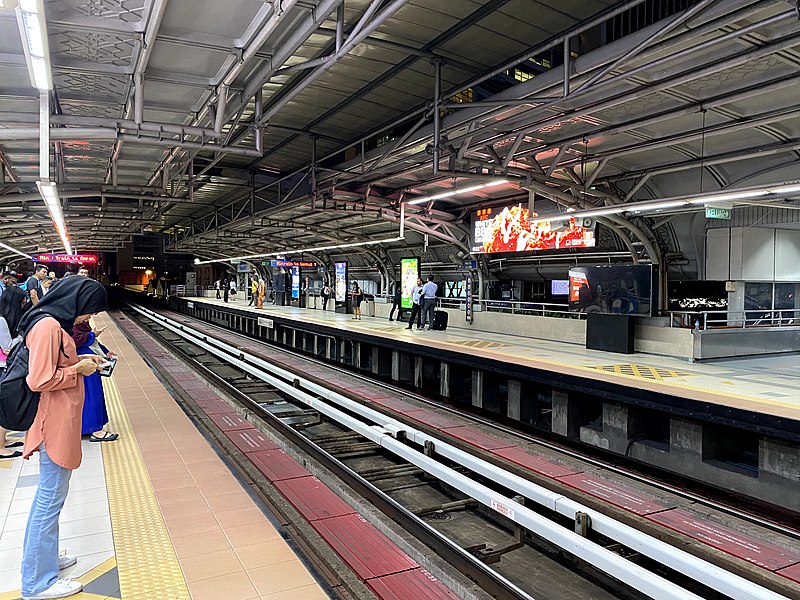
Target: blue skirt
{"x": 95, "y": 415}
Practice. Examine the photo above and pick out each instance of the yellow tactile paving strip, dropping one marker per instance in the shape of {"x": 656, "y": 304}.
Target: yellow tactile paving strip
{"x": 146, "y": 561}
{"x": 641, "y": 371}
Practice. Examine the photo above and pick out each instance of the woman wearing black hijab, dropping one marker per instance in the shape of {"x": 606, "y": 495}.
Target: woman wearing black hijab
{"x": 11, "y": 309}
{"x": 56, "y": 371}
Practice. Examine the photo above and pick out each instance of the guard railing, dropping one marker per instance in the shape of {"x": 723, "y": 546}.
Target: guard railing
{"x": 735, "y": 319}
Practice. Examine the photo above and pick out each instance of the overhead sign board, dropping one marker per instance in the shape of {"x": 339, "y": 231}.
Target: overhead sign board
{"x": 90, "y": 259}
{"x": 718, "y": 212}
{"x": 305, "y": 264}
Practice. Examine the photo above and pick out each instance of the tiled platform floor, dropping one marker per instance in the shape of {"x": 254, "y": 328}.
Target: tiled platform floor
{"x": 157, "y": 514}
{"x": 750, "y": 385}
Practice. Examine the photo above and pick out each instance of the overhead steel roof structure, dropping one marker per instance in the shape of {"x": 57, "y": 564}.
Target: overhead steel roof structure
{"x": 306, "y": 123}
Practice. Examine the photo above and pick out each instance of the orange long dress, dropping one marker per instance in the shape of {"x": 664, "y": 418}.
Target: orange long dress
{"x": 262, "y": 294}
{"x": 53, "y": 357}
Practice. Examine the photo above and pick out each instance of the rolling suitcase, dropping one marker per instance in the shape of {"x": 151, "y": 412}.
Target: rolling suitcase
{"x": 440, "y": 320}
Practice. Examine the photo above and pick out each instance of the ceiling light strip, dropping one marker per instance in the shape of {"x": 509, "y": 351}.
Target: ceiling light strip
{"x": 49, "y": 192}
{"x": 772, "y": 191}
{"x": 15, "y": 251}
{"x": 299, "y": 251}
{"x": 33, "y": 28}
{"x": 449, "y": 193}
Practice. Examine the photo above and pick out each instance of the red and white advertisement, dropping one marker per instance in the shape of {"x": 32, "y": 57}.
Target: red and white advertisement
{"x": 510, "y": 229}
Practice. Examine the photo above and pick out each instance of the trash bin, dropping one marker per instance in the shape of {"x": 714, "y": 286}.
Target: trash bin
{"x": 370, "y": 306}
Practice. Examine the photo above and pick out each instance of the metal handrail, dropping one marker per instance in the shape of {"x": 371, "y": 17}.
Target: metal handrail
{"x": 739, "y": 319}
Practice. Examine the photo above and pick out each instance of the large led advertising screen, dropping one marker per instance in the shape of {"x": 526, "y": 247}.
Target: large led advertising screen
{"x": 341, "y": 281}
{"x": 509, "y": 229}
{"x": 409, "y": 273}
{"x": 614, "y": 289}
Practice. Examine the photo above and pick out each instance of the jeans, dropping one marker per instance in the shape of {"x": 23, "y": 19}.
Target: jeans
{"x": 428, "y": 310}
{"x": 40, "y": 548}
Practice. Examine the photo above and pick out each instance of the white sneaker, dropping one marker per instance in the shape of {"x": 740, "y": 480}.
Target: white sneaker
{"x": 60, "y": 589}
{"x": 65, "y": 561}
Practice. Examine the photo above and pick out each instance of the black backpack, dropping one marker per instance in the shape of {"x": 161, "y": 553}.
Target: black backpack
{"x": 18, "y": 403}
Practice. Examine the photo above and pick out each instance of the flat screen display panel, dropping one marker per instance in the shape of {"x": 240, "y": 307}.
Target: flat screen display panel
{"x": 409, "y": 273}
{"x": 510, "y": 229}
{"x": 559, "y": 287}
{"x": 613, "y": 289}
{"x": 341, "y": 281}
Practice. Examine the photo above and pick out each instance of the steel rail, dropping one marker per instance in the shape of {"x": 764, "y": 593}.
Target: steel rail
{"x": 560, "y": 448}
{"x": 385, "y": 430}
{"x": 488, "y": 579}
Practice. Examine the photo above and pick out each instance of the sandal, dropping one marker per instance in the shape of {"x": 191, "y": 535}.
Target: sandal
{"x": 107, "y": 437}
{"x": 15, "y": 454}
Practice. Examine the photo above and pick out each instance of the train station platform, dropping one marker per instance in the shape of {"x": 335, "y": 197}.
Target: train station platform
{"x": 763, "y": 385}
{"x": 157, "y": 514}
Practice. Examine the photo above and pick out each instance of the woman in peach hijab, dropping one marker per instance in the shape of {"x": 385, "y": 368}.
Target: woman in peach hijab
{"x": 56, "y": 371}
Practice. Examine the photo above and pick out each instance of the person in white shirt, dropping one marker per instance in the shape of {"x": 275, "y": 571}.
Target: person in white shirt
{"x": 428, "y": 302}
{"x": 416, "y": 298}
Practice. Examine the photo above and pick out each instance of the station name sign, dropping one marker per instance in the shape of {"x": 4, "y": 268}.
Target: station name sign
{"x": 66, "y": 258}
{"x": 303, "y": 264}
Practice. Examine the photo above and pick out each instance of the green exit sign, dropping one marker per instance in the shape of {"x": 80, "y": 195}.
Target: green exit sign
{"x": 717, "y": 212}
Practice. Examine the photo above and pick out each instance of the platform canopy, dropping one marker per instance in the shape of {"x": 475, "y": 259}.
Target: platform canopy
{"x": 246, "y": 127}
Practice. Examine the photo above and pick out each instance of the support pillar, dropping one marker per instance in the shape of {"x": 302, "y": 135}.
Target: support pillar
{"x": 477, "y": 389}
{"x": 514, "y": 409}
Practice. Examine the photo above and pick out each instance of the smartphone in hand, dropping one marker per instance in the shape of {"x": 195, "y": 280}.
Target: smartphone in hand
{"x": 106, "y": 368}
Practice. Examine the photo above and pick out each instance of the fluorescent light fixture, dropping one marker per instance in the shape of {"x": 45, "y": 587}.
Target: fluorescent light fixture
{"x": 457, "y": 192}
{"x": 49, "y": 192}
{"x": 300, "y": 251}
{"x": 15, "y": 251}
{"x": 33, "y": 29}
{"x": 767, "y": 192}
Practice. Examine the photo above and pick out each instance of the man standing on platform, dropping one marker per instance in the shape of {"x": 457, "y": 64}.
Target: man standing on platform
{"x": 217, "y": 285}
{"x": 34, "y": 284}
{"x": 429, "y": 302}
{"x": 397, "y": 302}
{"x": 226, "y": 289}
{"x": 416, "y": 298}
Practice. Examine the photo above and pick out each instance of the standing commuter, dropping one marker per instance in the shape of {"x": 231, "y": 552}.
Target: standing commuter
{"x": 12, "y": 304}
{"x": 397, "y": 302}
{"x": 226, "y": 290}
{"x": 232, "y": 285}
{"x": 261, "y": 292}
{"x": 253, "y": 290}
{"x": 9, "y": 280}
{"x": 47, "y": 283}
{"x": 326, "y": 294}
{"x": 56, "y": 370}
{"x": 34, "y": 283}
{"x": 358, "y": 296}
{"x": 416, "y": 312}
{"x": 428, "y": 302}
{"x": 95, "y": 415}
{"x": 217, "y": 285}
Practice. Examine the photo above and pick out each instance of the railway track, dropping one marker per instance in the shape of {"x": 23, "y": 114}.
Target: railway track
{"x": 515, "y": 538}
